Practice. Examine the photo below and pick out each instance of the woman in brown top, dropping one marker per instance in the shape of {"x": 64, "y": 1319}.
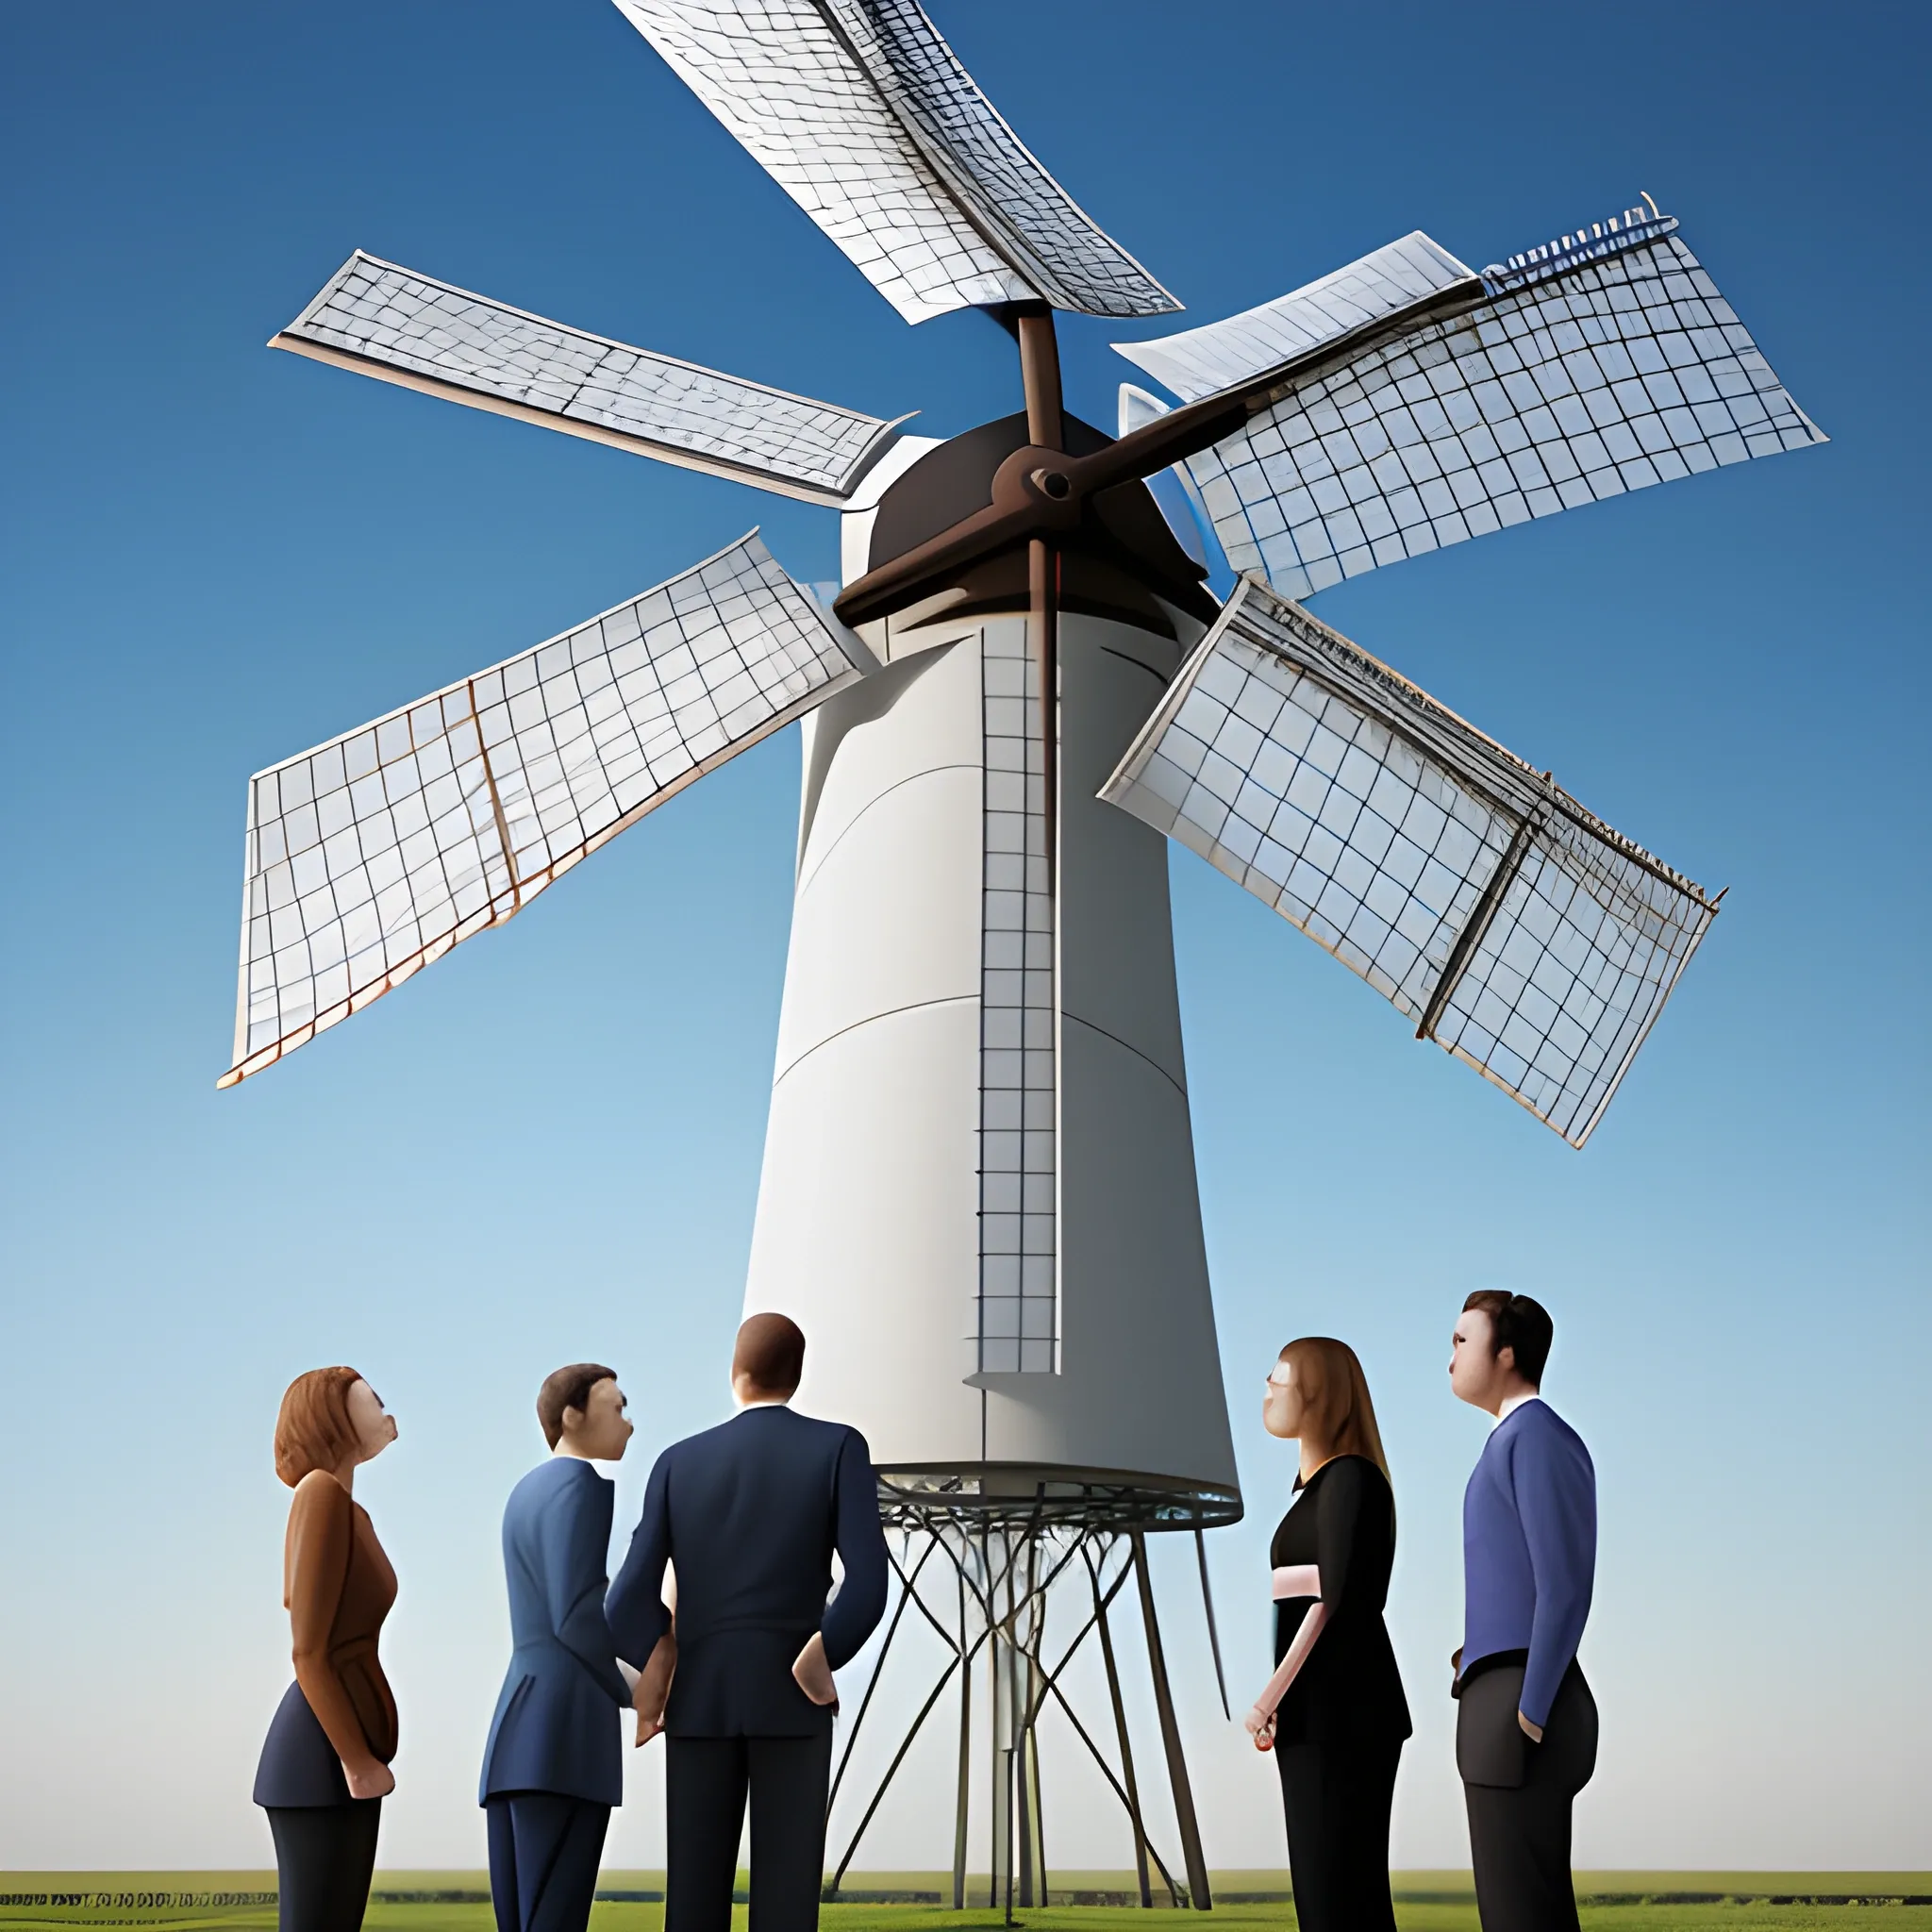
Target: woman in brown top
{"x": 324, "y": 1769}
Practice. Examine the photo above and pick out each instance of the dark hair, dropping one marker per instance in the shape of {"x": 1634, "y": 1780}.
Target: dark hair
{"x": 313, "y": 1429}
{"x": 1518, "y": 1322}
{"x": 568, "y": 1388}
{"x": 771, "y": 1350}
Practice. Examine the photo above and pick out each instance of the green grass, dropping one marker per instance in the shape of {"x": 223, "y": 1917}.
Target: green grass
{"x": 1426, "y": 1902}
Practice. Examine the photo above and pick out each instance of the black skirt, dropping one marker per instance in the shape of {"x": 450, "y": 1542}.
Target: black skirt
{"x": 299, "y": 1767}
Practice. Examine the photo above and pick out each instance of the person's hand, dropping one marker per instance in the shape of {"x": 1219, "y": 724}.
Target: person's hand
{"x": 1455, "y": 1663}
{"x": 371, "y": 1780}
{"x": 1533, "y": 1732}
{"x": 813, "y": 1674}
{"x": 1261, "y": 1728}
{"x": 653, "y": 1689}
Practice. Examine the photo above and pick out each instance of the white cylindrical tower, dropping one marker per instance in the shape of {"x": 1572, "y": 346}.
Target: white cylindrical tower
{"x": 979, "y": 1198}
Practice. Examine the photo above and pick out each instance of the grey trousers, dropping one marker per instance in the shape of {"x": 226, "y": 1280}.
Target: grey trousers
{"x": 1519, "y": 1833}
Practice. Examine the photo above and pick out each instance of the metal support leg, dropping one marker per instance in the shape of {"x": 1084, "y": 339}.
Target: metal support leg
{"x": 1120, "y": 1726}
{"x": 1213, "y": 1629}
{"x": 1000, "y": 1812}
{"x": 1026, "y": 1632}
{"x": 1202, "y": 1897}
{"x": 1022, "y": 1789}
{"x": 1036, "y": 1814}
{"x": 959, "y": 1818}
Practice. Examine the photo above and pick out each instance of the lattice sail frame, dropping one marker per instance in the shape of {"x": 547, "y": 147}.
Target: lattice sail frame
{"x": 371, "y": 856}
{"x": 1602, "y": 364}
{"x": 862, "y": 113}
{"x": 1017, "y": 1313}
{"x": 1515, "y": 927}
{"x": 1219, "y": 355}
{"x": 382, "y": 320}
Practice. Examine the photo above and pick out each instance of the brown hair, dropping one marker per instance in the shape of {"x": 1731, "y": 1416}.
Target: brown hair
{"x": 568, "y": 1388}
{"x": 313, "y": 1429}
{"x": 1332, "y": 1383}
{"x": 1519, "y": 1322}
{"x": 771, "y": 1350}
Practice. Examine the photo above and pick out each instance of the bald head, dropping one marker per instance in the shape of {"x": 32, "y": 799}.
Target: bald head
{"x": 769, "y": 1354}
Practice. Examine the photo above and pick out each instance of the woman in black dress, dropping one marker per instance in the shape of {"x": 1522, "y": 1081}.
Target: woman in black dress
{"x": 1333, "y": 1713}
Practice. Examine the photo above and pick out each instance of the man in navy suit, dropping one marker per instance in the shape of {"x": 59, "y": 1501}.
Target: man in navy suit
{"x": 554, "y": 1765}
{"x": 748, "y": 1515}
{"x": 1526, "y": 1721}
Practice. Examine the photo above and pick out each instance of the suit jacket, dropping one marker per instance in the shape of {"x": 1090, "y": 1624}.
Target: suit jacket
{"x": 749, "y": 1514}
{"x": 556, "y": 1726}
{"x": 338, "y": 1586}
{"x": 1528, "y": 1551}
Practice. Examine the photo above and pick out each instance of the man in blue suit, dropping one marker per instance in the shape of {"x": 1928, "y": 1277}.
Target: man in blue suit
{"x": 1526, "y": 1721}
{"x": 554, "y": 1765}
{"x": 749, "y": 1515}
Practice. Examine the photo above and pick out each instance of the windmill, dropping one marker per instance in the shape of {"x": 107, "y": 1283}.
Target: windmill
{"x": 978, "y": 1193}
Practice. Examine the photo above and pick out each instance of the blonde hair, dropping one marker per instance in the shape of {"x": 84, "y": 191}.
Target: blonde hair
{"x": 314, "y": 1429}
{"x": 1332, "y": 1383}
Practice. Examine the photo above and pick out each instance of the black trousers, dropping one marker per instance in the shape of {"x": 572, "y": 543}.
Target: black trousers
{"x": 1519, "y": 1834}
{"x": 707, "y": 1781}
{"x": 1337, "y": 1799}
{"x": 544, "y": 1851}
{"x": 324, "y": 1856}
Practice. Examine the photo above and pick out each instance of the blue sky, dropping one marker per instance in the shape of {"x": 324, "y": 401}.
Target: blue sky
{"x": 549, "y": 1146}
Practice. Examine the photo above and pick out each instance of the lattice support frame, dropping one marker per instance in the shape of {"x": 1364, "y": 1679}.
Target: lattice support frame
{"x": 977, "y": 1567}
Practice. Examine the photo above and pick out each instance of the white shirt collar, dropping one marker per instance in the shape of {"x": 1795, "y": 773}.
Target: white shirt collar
{"x": 1513, "y": 1404}
{"x": 766, "y": 1402}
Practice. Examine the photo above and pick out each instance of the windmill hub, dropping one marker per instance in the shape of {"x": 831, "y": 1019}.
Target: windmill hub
{"x": 1117, "y": 556}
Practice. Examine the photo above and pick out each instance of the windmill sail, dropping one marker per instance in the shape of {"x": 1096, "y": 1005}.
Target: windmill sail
{"x": 1222, "y": 355}
{"x": 391, "y": 322}
{"x": 1599, "y": 364}
{"x": 374, "y": 854}
{"x": 1517, "y": 930}
{"x": 860, "y": 112}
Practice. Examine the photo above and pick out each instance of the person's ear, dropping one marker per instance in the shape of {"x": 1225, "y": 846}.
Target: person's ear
{"x": 573, "y": 1418}
{"x": 1505, "y": 1357}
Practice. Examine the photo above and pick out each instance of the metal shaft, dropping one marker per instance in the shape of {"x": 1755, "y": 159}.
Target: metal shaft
{"x": 1039, "y": 371}
{"x": 1040, "y": 374}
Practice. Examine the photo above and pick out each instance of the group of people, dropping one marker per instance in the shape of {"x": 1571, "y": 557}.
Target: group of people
{"x": 721, "y": 1631}
{"x": 730, "y": 1655}
{"x": 1333, "y": 1713}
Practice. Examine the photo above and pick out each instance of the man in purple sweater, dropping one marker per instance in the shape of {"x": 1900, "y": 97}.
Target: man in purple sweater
{"x": 1525, "y": 1724}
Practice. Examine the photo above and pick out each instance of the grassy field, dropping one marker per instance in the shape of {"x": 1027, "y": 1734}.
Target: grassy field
{"x": 1426, "y": 1902}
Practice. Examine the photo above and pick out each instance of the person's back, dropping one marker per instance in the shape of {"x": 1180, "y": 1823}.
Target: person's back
{"x": 752, "y": 1514}
{"x": 748, "y": 1516}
